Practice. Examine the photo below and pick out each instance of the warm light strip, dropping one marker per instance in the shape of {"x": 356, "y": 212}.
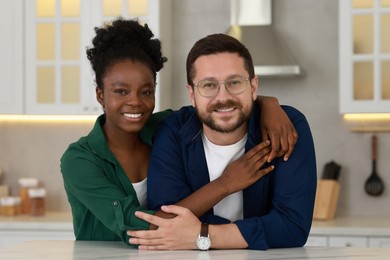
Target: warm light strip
{"x": 367, "y": 117}
{"x": 48, "y": 118}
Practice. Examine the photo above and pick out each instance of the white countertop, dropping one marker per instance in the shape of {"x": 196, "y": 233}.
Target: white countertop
{"x": 50, "y": 221}
{"x": 64, "y": 250}
{"x": 365, "y": 226}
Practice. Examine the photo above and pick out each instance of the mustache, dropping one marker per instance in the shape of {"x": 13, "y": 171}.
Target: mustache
{"x": 223, "y": 105}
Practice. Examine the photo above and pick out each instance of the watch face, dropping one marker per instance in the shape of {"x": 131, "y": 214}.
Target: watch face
{"x": 203, "y": 243}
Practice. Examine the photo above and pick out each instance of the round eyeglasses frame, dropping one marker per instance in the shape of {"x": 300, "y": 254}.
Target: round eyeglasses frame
{"x": 228, "y": 83}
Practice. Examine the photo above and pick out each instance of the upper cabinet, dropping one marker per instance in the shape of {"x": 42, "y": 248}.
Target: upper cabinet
{"x": 11, "y": 62}
{"x": 51, "y": 55}
{"x": 364, "y": 51}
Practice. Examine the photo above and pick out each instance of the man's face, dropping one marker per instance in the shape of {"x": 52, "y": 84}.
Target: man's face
{"x": 225, "y": 112}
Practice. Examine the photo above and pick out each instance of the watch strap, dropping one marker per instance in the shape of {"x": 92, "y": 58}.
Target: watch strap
{"x": 204, "y": 230}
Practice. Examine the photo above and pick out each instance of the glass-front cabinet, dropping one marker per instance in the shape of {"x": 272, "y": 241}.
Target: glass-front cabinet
{"x": 364, "y": 56}
{"x": 58, "y": 77}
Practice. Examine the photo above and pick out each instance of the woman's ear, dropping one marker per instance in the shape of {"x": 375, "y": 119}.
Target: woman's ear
{"x": 100, "y": 96}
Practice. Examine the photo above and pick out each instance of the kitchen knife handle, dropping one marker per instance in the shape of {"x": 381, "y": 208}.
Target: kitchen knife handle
{"x": 373, "y": 146}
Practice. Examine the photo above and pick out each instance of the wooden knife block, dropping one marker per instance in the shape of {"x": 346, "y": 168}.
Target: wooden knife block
{"x": 326, "y": 199}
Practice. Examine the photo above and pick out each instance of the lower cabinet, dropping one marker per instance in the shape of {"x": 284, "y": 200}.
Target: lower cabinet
{"x": 348, "y": 241}
{"x": 13, "y": 237}
{"x": 379, "y": 242}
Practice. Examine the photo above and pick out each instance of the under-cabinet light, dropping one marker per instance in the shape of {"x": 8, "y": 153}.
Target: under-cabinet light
{"x": 367, "y": 117}
{"x": 48, "y": 118}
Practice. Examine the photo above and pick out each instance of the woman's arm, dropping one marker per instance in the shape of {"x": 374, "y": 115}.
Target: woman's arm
{"x": 277, "y": 127}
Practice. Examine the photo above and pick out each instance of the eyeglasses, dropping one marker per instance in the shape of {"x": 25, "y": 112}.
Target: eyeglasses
{"x": 210, "y": 87}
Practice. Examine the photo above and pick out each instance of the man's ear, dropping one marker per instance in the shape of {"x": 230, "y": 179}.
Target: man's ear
{"x": 99, "y": 96}
{"x": 254, "y": 87}
{"x": 191, "y": 94}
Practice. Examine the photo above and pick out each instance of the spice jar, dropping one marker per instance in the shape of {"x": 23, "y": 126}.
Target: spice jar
{"x": 10, "y": 206}
{"x": 37, "y": 201}
{"x": 25, "y": 185}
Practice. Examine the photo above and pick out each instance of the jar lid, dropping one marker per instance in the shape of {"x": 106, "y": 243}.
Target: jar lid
{"x": 36, "y": 192}
{"x": 10, "y": 201}
{"x": 28, "y": 182}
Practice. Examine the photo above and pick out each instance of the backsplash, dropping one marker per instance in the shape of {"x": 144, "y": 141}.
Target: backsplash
{"x": 34, "y": 150}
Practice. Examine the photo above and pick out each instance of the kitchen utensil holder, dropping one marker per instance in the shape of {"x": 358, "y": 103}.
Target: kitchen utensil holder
{"x": 326, "y": 199}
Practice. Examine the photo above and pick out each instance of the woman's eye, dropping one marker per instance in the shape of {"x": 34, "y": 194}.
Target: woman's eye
{"x": 147, "y": 93}
{"x": 120, "y": 91}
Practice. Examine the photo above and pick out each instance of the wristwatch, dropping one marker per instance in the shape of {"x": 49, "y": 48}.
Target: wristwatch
{"x": 203, "y": 241}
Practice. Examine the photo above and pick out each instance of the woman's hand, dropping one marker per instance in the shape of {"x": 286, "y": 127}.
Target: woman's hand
{"x": 176, "y": 233}
{"x": 277, "y": 127}
{"x": 245, "y": 171}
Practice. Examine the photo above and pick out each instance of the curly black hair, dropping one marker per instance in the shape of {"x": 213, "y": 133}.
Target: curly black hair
{"x": 122, "y": 40}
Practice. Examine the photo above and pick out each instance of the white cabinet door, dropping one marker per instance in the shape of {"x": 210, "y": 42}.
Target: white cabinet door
{"x": 364, "y": 53}
{"x": 317, "y": 240}
{"x": 379, "y": 242}
{"x": 59, "y": 79}
{"x": 11, "y": 53}
{"x": 348, "y": 241}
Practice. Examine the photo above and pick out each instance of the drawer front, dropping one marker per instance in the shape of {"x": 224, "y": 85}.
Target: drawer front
{"x": 379, "y": 242}
{"x": 348, "y": 241}
{"x": 317, "y": 240}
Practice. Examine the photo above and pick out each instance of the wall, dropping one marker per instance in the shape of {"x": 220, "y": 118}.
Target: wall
{"x": 310, "y": 28}
{"x": 34, "y": 150}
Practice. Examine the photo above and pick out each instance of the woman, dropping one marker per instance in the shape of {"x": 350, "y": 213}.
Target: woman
{"x": 105, "y": 172}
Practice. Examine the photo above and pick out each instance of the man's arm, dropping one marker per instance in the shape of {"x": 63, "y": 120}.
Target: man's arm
{"x": 288, "y": 222}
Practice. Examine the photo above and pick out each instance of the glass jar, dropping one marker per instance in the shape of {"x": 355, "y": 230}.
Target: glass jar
{"x": 10, "y": 206}
{"x": 25, "y": 185}
{"x": 37, "y": 201}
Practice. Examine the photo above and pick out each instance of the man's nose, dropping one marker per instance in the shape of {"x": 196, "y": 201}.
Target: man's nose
{"x": 223, "y": 92}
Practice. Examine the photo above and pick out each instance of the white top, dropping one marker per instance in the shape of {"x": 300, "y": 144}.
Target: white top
{"x": 218, "y": 157}
{"x": 69, "y": 250}
{"x": 140, "y": 190}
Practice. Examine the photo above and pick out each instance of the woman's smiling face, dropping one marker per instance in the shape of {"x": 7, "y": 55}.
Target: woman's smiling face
{"x": 127, "y": 95}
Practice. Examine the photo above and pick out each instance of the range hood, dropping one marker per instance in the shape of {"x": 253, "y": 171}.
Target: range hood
{"x": 251, "y": 23}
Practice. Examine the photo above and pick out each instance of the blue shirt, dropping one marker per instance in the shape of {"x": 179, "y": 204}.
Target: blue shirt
{"x": 278, "y": 208}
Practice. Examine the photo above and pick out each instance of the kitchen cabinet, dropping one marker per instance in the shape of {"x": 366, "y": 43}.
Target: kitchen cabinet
{"x": 49, "y": 72}
{"x": 351, "y": 232}
{"x": 348, "y": 241}
{"x": 364, "y": 52}
{"x": 13, "y": 237}
{"x": 379, "y": 242}
{"x": 51, "y": 226}
{"x": 11, "y": 65}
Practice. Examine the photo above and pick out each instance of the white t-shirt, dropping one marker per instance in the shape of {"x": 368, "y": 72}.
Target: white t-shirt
{"x": 218, "y": 157}
{"x": 140, "y": 190}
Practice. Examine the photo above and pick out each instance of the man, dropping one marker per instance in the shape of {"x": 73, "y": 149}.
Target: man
{"x": 195, "y": 145}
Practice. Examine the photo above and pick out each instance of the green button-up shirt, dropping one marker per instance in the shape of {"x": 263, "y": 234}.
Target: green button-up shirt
{"x": 101, "y": 196}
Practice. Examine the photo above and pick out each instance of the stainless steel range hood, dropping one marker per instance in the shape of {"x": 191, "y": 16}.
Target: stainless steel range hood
{"x": 251, "y": 23}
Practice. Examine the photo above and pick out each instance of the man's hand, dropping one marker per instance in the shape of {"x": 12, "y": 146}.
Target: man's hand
{"x": 177, "y": 233}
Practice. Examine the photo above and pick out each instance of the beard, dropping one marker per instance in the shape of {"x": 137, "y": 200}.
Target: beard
{"x": 224, "y": 127}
